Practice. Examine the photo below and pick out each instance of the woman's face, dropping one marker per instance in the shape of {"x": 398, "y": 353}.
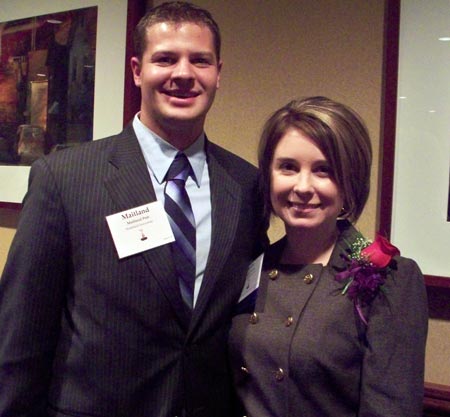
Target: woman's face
{"x": 303, "y": 191}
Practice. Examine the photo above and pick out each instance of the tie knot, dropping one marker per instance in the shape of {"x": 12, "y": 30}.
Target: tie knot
{"x": 179, "y": 169}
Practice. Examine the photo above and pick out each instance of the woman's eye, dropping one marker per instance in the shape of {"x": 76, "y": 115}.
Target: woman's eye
{"x": 324, "y": 170}
{"x": 287, "y": 166}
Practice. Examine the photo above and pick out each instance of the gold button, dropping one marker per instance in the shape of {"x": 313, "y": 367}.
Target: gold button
{"x": 273, "y": 274}
{"x": 279, "y": 374}
{"x": 245, "y": 370}
{"x": 289, "y": 321}
{"x": 253, "y": 318}
{"x": 308, "y": 278}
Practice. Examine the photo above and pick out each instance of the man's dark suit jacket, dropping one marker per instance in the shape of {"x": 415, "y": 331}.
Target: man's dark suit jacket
{"x": 86, "y": 334}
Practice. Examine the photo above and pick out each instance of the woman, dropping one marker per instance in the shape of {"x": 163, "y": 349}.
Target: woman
{"x": 339, "y": 326}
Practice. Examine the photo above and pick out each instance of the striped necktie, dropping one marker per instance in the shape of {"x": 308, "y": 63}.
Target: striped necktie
{"x": 178, "y": 207}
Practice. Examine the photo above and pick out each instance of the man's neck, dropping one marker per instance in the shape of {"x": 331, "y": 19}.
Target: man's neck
{"x": 180, "y": 134}
{"x": 180, "y": 140}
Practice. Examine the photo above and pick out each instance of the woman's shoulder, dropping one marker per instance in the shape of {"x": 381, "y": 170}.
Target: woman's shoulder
{"x": 406, "y": 268}
{"x": 405, "y": 281}
{"x": 404, "y": 289}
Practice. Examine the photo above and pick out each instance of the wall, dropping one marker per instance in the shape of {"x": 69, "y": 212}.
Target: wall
{"x": 274, "y": 51}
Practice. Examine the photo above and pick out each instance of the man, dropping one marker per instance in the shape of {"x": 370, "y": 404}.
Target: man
{"x": 93, "y": 325}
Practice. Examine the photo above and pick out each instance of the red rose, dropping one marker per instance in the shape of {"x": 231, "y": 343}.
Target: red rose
{"x": 380, "y": 252}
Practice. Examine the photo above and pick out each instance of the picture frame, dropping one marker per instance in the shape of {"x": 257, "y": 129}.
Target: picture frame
{"x": 436, "y": 396}
{"x": 116, "y": 97}
{"x": 393, "y": 220}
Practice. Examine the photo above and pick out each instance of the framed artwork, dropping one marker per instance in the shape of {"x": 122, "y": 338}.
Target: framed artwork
{"x": 47, "y": 68}
{"x": 101, "y": 31}
{"x": 413, "y": 205}
{"x": 415, "y": 189}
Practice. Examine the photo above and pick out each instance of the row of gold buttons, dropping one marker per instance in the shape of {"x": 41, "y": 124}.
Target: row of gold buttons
{"x": 279, "y": 373}
{"x": 307, "y": 279}
{"x": 254, "y": 318}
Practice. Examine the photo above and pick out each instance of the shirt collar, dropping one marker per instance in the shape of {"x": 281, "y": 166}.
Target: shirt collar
{"x": 159, "y": 153}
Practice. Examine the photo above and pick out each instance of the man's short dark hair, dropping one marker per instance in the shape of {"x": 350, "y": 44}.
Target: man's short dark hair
{"x": 175, "y": 12}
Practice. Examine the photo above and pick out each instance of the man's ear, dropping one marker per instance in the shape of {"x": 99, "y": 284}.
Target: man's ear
{"x": 136, "y": 68}
{"x": 219, "y": 66}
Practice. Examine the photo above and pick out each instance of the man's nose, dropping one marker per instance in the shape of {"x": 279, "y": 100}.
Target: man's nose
{"x": 183, "y": 70}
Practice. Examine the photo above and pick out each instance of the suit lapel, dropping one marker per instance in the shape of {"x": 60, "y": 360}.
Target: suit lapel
{"x": 226, "y": 205}
{"x": 130, "y": 186}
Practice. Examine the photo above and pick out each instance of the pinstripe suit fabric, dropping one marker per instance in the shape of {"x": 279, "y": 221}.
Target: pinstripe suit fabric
{"x": 84, "y": 333}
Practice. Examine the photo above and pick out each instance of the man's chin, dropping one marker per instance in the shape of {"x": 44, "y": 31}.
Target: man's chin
{"x": 185, "y": 118}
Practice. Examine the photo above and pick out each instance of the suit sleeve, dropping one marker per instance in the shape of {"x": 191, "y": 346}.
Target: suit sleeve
{"x": 32, "y": 292}
{"x": 393, "y": 363}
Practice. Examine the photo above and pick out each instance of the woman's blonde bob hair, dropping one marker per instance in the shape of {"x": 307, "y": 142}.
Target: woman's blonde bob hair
{"x": 339, "y": 133}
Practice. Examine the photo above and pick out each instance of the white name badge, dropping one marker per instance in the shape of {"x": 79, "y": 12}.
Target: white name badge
{"x": 253, "y": 277}
{"x": 139, "y": 229}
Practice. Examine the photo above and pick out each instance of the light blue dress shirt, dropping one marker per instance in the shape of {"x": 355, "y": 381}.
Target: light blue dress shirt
{"x": 159, "y": 155}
